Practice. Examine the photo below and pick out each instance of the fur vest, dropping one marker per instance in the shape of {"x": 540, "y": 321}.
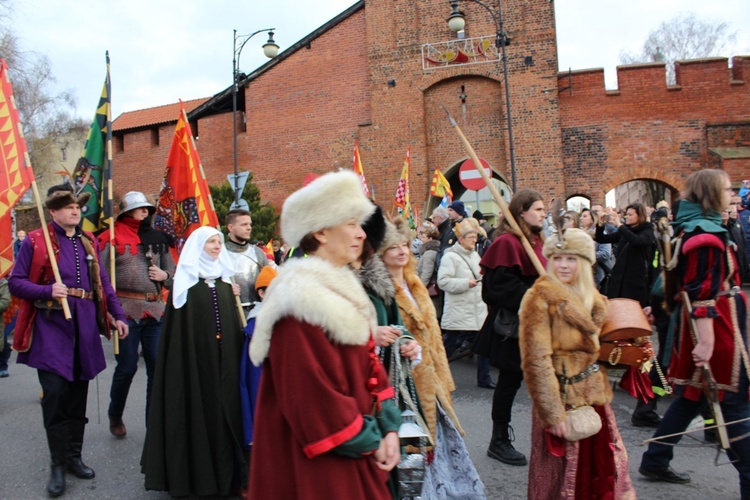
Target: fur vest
{"x": 558, "y": 336}
{"x": 316, "y": 292}
{"x": 432, "y": 376}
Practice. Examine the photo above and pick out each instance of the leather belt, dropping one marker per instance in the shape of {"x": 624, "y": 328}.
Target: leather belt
{"x": 80, "y": 293}
{"x": 148, "y": 297}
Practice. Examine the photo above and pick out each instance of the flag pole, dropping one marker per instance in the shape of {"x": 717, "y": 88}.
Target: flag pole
{"x": 110, "y": 200}
{"x": 496, "y": 195}
{"x": 48, "y": 241}
{"x": 45, "y": 230}
{"x": 200, "y": 166}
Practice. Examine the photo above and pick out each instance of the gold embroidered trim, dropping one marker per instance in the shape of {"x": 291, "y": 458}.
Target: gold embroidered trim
{"x": 704, "y": 303}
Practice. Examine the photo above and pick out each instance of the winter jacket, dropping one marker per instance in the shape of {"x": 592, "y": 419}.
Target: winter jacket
{"x": 464, "y": 308}
{"x": 633, "y": 272}
{"x": 427, "y": 264}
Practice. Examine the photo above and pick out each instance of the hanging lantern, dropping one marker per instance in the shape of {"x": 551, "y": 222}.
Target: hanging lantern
{"x": 412, "y": 432}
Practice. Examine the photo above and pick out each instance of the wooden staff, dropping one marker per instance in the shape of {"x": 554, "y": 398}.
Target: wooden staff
{"x": 48, "y": 242}
{"x": 498, "y": 198}
{"x": 110, "y": 200}
{"x": 710, "y": 389}
{"x": 240, "y": 309}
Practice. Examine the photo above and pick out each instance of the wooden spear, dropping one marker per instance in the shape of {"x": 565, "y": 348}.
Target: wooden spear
{"x": 498, "y": 198}
{"x": 243, "y": 319}
{"x": 48, "y": 242}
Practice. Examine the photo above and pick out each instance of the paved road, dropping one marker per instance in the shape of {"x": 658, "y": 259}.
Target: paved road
{"x": 25, "y": 462}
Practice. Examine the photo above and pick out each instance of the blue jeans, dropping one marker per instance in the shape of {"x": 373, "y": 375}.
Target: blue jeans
{"x": 145, "y": 333}
{"x": 679, "y": 415}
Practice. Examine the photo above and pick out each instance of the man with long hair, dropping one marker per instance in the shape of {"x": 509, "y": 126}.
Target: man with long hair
{"x": 508, "y": 273}
{"x": 708, "y": 273}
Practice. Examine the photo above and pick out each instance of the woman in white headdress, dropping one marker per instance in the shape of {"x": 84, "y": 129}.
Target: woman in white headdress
{"x": 194, "y": 437}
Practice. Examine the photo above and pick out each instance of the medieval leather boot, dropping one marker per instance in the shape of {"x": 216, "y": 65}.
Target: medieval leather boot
{"x": 57, "y": 440}
{"x": 501, "y": 448}
{"x": 645, "y": 414}
{"x": 117, "y": 427}
{"x": 73, "y": 456}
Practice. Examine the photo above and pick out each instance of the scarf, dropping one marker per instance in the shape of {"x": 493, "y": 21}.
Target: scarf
{"x": 690, "y": 217}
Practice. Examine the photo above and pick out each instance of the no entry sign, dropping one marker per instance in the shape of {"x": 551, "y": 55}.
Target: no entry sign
{"x": 470, "y": 176}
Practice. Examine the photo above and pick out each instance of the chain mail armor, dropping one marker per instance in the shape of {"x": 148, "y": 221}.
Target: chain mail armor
{"x": 132, "y": 276}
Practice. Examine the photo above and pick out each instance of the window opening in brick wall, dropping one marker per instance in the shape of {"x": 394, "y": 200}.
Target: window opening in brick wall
{"x": 154, "y": 136}
{"x": 119, "y": 143}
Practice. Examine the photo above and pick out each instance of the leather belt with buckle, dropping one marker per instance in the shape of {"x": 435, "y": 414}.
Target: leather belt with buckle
{"x": 80, "y": 293}
{"x": 148, "y": 297}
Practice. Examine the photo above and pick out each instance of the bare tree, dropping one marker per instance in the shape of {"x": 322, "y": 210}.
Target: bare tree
{"x": 683, "y": 37}
{"x": 47, "y": 116}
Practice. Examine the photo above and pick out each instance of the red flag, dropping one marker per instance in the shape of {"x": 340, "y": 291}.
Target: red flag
{"x": 185, "y": 202}
{"x": 16, "y": 174}
{"x": 357, "y": 167}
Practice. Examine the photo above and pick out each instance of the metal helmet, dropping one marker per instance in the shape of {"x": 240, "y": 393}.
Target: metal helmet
{"x": 133, "y": 200}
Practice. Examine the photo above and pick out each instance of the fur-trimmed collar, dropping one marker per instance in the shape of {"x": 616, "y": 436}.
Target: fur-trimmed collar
{"x": 430, "y": 245}
{"x": 570, "y": 305}
{"x": 316, "y": 292}
{"x": 376, "y": 278}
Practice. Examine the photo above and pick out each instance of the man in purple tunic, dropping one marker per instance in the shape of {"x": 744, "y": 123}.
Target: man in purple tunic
{"x": 66, "y": 353}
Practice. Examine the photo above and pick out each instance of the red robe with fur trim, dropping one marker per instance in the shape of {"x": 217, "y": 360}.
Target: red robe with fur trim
{"x": 319, "y": 379}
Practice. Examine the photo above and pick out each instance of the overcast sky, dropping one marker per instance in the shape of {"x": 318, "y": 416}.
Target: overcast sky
{"x": 165, "y": 50}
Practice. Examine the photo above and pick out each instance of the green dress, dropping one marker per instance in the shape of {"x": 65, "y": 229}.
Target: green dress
{"x": 194, "y": 436}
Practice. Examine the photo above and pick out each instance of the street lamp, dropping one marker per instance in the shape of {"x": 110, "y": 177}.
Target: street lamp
{"x": 457, "y": 22}
{"x": 270, "y": 49}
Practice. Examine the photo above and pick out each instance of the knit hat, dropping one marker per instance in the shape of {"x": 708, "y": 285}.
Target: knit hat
{"x": 478, "y": 215}
{"x": 466, "y": 226}
{"x": 327, "y": 201}
{"x": 458, "y": 207}
{"x": 61, "y": 196}
{"x": 265, "y": 277}
{"x": 395, "y": 232}
{"x": 574, "y": 242}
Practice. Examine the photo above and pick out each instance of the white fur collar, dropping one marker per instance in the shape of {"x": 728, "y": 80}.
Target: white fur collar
{"x": 312, "y": 290}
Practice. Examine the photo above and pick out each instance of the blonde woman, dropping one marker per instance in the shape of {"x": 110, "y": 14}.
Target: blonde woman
{"x": 450, "y": 473}
{"x": 460, "y": 277}
{"x": 560, "y": 321}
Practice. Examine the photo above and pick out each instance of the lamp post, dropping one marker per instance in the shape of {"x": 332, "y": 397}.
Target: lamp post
{"x": 270, "y": 49}
{"x": 457, "y": 22}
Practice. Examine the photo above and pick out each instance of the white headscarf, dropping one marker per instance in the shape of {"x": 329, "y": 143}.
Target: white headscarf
{"x": 195, "y": 263}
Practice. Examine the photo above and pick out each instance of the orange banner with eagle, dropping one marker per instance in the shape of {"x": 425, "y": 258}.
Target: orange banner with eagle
{"x": 15, "y": 174}
{"x": 185, "y": 202}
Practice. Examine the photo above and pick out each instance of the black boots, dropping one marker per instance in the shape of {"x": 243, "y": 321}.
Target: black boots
{"x": 65, "y": 444}
{"x": 73, "y": 456}
{"x": 501, "y": 448}
{"x": 57, "y": 440}
{"x": 645, "y": 414}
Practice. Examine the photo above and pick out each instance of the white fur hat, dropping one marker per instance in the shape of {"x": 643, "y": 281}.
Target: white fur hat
{"x": 328, "y": 201}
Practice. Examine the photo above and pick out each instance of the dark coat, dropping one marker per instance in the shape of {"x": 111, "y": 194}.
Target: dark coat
{"x": 194, "y": 436}
{"x": 633, "y": 271}
{"x": 503, "y": 286}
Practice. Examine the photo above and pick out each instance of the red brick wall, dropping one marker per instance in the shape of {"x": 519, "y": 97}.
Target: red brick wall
{"x": 304, "y": 113}
{"x": 647, "y": 130}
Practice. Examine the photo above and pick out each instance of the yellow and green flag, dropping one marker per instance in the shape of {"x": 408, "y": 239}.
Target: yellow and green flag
{"x": 93, "y": 173}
